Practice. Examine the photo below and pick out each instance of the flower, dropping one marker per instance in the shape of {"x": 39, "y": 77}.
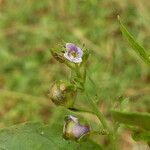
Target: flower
{"x": 73, "y": 130}
{"x": 73, "y": 53}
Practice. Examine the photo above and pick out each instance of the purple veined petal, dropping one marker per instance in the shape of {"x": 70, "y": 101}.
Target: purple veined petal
{"x": 67, "y": 56}
{"x": 77, "y": 60}
{"x": 72, "y": 59}
{"x": 73, "y": 53}
{"x": 70, "y": 117}
{"x": 79, "y": 130}
{"x": 80, "y": 52}
{"x": 71, "y": 47}
{"x": 73, "y": 130}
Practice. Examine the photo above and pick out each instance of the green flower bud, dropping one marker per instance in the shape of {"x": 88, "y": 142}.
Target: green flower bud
{"x": 73, "y": 130}
{"x": 58, "y": 57}
{"x": 62, "y": 94}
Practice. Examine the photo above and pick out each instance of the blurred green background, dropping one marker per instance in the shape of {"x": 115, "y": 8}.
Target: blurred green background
{"x": 30, "y": 28}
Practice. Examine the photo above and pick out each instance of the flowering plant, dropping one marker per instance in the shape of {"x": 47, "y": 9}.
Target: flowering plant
{"x": 78, "y": 125}
{"x": 74, "y": 57}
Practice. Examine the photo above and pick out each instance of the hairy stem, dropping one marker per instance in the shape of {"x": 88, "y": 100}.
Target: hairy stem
{"x": 103, "y": 121}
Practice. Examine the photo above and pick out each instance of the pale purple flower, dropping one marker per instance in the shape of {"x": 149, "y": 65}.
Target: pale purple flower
{"x": 73, "y": 130}
{"x": 73, "y": 53}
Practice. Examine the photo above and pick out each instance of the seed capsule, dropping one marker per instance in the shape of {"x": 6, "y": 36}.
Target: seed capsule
{"x": 62, "y": 94}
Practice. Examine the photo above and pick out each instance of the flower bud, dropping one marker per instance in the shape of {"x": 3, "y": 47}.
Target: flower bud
{"x": 73, "y": 130}
{"x": 58, "y": 57}
{"x": 62, "y": 94}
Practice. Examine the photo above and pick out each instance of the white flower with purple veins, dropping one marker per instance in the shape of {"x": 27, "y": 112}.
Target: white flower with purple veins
{"x": 73, "y": 130}
{"x": 73, "y": 53}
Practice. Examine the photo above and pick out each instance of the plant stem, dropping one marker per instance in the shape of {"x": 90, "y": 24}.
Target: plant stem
{"x": 77, "y": 70}
{"x": 98, "y": 113}
{"x": 101, "y": 118}
{"x": 111, "y": 134}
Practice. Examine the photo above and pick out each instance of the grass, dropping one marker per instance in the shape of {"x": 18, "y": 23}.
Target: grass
{"x": 29, "y": 29}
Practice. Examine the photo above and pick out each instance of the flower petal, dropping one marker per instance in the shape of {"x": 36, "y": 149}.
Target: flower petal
{"x": 80, "y": 52}
{"x": 67, "y": 56}
{"x": 70, "y": 117}
{"x": 77, "y": 60}
{"x": 71, "y": 47}
{"x": 73, "y": 130}
{"x": 73, "y": 53}
{"x": 79, "y": 130}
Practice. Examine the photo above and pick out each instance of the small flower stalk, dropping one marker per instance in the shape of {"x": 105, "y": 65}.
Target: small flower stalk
{"x": 73, "y": 130}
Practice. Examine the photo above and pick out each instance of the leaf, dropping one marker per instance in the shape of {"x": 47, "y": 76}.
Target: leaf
{"x": 145, "y": 136}
{"x": 25, "y": 136}
{"x": 141, "y": 120}
{"x": 36, "y": 136}
{"x": 134, "y": 44}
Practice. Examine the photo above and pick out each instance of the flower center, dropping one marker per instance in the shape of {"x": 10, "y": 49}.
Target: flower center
{"x": 73, "y": 54}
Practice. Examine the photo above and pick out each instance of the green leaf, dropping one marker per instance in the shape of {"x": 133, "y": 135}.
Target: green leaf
{"x": 134, "y": 44}
{"x": 141, "y": 120}
{"x": 36, "y": 136}
{"x": 145, "y": 136}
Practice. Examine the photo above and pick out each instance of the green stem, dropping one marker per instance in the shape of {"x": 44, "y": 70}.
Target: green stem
{"x": 98, "y": 113}
{"x": 80, "y": 76}
{"x": 77, "y": 70}
{"x": 111, "y": 134}
{"x": 101, "y": 118}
